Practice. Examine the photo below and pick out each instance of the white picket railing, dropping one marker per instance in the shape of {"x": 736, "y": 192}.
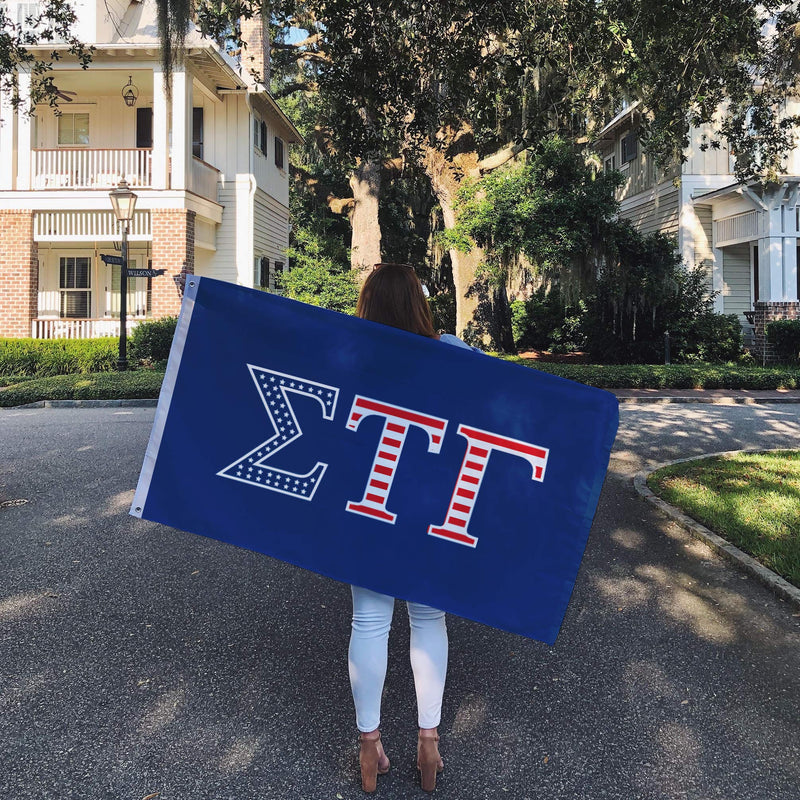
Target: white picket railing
{"x": 78, "y": 328}
{"x": 738, "y": 228}
{"x": 89, "y": 168}
{"x": 88, "y": 226}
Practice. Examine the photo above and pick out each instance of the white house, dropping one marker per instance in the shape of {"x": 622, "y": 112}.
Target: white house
{"x": 747, "y": 235}
{"x": 209, "y": 167}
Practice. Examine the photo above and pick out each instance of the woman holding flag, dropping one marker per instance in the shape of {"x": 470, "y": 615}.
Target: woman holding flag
{"x": 393, "y": 295}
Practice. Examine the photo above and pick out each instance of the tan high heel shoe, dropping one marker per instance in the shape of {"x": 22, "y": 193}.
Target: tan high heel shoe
{"x": 373, "y": 760}
{"x": 429, "y": 762}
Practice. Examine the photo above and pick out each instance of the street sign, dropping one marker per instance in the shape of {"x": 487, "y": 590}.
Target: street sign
{"x": 145, "y": 273}
{"x": 116, "y": 260}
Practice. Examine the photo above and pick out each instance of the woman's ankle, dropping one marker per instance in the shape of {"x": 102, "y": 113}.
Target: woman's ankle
{"x": 426, "y": 733}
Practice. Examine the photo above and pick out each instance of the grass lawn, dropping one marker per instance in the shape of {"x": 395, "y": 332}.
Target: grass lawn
{"x": 750, "y": 499}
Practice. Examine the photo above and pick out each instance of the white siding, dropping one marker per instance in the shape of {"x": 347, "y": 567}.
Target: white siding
{"x": 703, "y": 253}
{"x": 271, "y": 227}
{"x": 708, "y": 161}
{"x": 223, "y": 265}
{"x": 736, "y": 278}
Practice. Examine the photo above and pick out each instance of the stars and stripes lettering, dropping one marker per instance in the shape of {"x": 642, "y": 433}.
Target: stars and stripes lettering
{"x": 252, "y": 468}
{"x": 480, "y": 445}
{"x": 397, "y": 422}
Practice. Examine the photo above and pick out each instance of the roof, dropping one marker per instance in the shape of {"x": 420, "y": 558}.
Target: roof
{"x": 619, "y": 119}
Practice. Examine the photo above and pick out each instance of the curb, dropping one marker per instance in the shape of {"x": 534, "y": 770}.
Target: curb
{"x": 662, "y": 399}
{"x": 144, "y": 403}
{"x": 775, "y": 583}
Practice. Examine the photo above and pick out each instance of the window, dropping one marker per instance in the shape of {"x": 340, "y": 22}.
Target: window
{"x": 279, "y": 152}
{"x": 261, "y": 272}
{"x": 629, "y": 148}
{"x": 610, "y": 163}
{"x": 260, "y": 135}
{"x": 26, "y": 12}
{"x": 74, "y": 283}
{"x": 73, "y": 129}
{"x": 197, "y": 133}
{"x": 144, "y": 127}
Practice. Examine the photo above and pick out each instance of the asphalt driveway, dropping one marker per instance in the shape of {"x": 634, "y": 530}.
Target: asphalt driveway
{"x": 136, "y": 659}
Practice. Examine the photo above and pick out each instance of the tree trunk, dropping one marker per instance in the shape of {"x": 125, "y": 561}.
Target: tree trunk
{"x": 483, "y": 315}
{"x": 366, "y": 242}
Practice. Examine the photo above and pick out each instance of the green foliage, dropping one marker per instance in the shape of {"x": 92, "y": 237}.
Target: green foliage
{"x": 784, "y": 334}
{"x": 151, "y": 341}
{"x": 673, "y": 376}
{"x": 319, "y": 285}
{"x": 545, "y": 322}
{"x": 141, "y": 384}
{"x": 553, "y": 210}
{"x": 42, "y": 357}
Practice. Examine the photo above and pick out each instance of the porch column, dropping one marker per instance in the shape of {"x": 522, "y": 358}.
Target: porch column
{"x": 6, "y": 141}
{"x": 160, "y": 163}
{"x": 24, "y": 132}
{"x": 718, "y": 280}
{"x": 770, "y": 257}
{"x": 173, "y": 250}
{"x": 19, "y": 274}
{"x": 790, "y": 253}
{"x": 181, "y": 129}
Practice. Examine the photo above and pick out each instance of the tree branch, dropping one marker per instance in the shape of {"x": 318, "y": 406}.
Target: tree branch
{"x": 500, "y": 157}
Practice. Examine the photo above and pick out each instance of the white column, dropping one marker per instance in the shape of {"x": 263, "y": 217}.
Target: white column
{"x": 7, "y": 123}
{"x": 24, "y": 132}
{"x": 789, "y": 283}
{"x": 770, "y": 257}
{"x": 718, "y": 280}
{"x": 181, "y": 129}
{"x": 160, "y": 162}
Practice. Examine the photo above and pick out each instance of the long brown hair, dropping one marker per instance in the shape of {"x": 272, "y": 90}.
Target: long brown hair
{"x": 392, "y": 294}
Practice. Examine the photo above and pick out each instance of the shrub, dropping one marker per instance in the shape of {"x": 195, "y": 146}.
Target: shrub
{"x": 784, "y": 334}
{"x": 321, "y": 285}
{"x": 545, "y": 322}
{"x": 709, "y": 337}
{"x": 142, "y": 384}
{"x": 151, "y": 341}
{"x": 42, "y": 357}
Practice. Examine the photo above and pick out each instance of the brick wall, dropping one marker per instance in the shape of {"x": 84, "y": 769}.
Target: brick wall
{"x": 173, "y": 250}
{"x": 19, "y": 273}
{"x": 766, "y": 313}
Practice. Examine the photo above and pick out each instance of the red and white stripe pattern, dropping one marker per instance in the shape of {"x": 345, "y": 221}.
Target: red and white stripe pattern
{"x": 479, "y": 447}
{"x": 387, "y": 456}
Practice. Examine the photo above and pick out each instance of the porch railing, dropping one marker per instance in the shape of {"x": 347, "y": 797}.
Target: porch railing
{"x": 78, "y": 328}
{"x": 203, "y": 179}
{"x": 88, "y": 168}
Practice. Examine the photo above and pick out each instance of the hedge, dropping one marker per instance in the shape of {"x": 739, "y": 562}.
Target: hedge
{"x": 141, "y": 384}
{"x": 672, "y": 376}
{"x": 45, "y": 357}
{"x": 784, "y": 334}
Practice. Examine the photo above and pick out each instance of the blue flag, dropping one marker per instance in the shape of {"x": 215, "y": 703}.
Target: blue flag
{"x": 378, "y": 457}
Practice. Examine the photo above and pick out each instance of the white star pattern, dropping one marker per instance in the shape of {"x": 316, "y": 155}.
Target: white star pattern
{"x": 274, "y": 388}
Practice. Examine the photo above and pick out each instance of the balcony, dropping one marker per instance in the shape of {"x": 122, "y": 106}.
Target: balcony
{"x": 89, "y": 168}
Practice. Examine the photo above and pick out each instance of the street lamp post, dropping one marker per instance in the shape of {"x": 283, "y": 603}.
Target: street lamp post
{"x": 123, "y": 201}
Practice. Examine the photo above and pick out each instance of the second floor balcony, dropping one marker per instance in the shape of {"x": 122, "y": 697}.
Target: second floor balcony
{"x": 94, "y": 168}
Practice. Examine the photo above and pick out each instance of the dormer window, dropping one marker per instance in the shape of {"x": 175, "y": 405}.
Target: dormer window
{"x": 629, "y": 148}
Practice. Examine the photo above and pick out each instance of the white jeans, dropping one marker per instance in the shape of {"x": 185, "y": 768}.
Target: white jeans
{"x": 369, "y": 639}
